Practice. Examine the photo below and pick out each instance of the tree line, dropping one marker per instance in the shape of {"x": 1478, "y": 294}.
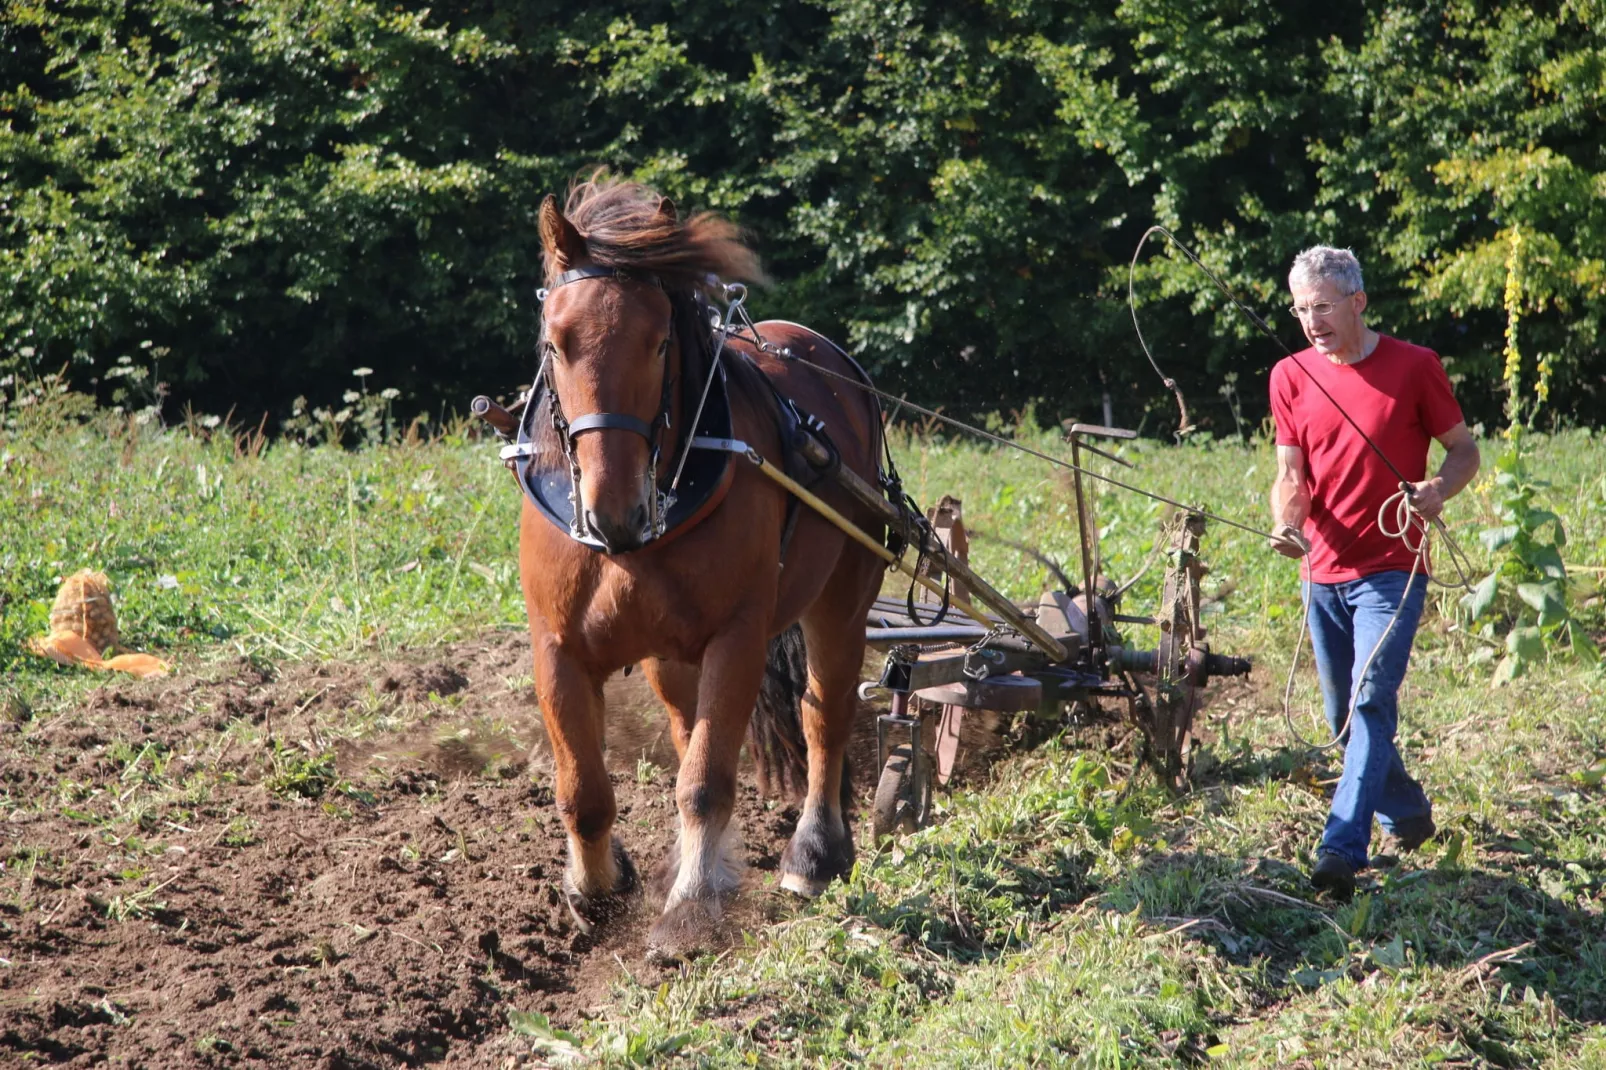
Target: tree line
{"x": 248, "y": 202}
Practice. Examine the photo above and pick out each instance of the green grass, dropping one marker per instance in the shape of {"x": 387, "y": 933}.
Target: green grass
{"x": 1066, "y": 913}
{"x": 216, "y": 547}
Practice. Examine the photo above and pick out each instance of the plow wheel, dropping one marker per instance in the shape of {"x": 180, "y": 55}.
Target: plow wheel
{"x": 1180, "y": 657}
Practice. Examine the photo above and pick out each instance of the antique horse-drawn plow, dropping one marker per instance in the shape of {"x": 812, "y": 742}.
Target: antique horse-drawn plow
{"x": 1036, "y": 659}
{"x": 701, "y": 493}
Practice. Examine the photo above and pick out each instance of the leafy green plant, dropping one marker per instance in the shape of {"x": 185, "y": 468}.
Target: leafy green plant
{"x": 299, "y": 772}
{"x": 1528, "y": 586}
{"x": 362, "y": 419}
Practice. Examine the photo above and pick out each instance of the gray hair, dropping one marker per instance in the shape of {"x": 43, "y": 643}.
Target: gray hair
{"x": 1323, "y": 263}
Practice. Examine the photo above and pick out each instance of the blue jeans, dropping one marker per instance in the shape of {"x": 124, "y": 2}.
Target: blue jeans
{"x": 1346, "y": 622}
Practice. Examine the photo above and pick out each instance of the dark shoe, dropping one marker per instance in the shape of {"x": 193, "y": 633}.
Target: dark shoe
{"x": 1412, "y": 834}
{"x": 1333, "y": 874}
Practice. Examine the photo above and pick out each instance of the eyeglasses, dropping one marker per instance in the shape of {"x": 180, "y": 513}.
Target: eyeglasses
{"x": 1319, "y": 310}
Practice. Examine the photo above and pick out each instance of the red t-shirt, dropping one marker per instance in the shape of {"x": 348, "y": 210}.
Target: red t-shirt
{"x": 1401, "y": 398}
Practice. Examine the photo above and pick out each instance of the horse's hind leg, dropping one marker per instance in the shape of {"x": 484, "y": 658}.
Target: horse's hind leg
{"x": 675, "y": 683}
{"x": 822, "y": 847}
{"x": 600, "y": 876}
{"x": 732, "y": 668}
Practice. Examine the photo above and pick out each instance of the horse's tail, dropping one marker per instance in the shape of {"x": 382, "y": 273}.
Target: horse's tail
{"x": 775, "y": 732}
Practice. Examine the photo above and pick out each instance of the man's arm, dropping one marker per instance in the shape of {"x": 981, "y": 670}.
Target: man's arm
{"x": 1460, "y": 465}
{"x": 1290, "y": 503}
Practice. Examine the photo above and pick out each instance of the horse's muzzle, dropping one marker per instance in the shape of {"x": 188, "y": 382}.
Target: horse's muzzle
{"x": 620, "y": 536}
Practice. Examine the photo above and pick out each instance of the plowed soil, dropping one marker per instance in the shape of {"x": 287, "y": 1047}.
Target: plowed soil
{"x": 191, "y": 879}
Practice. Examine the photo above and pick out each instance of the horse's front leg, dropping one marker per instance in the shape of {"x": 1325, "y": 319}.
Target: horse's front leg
{"x": 731, "y": 671}
{"x": 600, "y": 877}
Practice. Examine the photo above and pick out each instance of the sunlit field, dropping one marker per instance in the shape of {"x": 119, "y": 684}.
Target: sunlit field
{"x": 1065, "y": 910}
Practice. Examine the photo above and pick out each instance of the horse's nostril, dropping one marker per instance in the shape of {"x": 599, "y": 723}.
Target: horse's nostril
{"x": 618, "y": 538}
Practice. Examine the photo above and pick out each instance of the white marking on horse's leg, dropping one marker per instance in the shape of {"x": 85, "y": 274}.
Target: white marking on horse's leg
{"x": 709, "y": 866}
{"x": 592, "y": 869}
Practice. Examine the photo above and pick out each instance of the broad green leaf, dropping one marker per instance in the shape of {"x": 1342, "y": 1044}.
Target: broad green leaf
{"x": 1309, "y": 978}
{"x": 1583, "y": 645}
{"x": 1547, "y": 559}
{"x": 1525, "y": 643}
{"x": 1391, "y": 955}
{"x": 1452, "y": 851}
{"x": 1479, "y": 600}
{"x": 1497, "y": 537}
{"x": 1546, "y": 599}
{"x": 1363, "y": 911}
{"x": 1538, "y": 518}
{"x": 1509, "y": 669}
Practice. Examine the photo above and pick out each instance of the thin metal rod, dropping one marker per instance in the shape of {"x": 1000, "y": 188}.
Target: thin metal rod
{"x": 690, "y": 430}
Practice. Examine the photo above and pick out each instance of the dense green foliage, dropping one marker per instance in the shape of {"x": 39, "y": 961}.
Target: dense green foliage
{"x": 258, "y": 198}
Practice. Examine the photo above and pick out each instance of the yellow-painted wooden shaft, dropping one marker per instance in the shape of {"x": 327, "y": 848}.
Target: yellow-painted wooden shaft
{"x": 854, "y": 532}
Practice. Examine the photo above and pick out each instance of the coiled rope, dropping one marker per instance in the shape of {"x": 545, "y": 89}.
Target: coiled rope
{"x": 1408, "y": 524}
{"x": 1407, "y": 520}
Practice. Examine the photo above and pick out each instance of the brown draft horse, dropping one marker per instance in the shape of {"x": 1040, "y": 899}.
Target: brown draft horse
{"x": 697, "y": 610}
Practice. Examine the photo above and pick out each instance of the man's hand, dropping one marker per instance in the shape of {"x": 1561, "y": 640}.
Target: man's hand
{"x": 1289, "y": 541}
{"x": 1427, "y": 497}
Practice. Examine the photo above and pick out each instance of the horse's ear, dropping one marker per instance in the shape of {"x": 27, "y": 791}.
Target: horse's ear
{"x": 666, "y": 208}
{"x": 558, "y": 236}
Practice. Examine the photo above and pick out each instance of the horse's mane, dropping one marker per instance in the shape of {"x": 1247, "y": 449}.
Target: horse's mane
{"x": 624, "y": 228}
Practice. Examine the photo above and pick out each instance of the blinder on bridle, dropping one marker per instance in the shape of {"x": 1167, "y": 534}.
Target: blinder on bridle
{"x": 658, "y": 501}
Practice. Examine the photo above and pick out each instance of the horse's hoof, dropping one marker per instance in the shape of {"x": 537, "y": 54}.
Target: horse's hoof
{"x": 816, "y": 856}
{"x": 807, "y": 887}
{"x": 590, "y": 911}
{"x": 686, "y": 930}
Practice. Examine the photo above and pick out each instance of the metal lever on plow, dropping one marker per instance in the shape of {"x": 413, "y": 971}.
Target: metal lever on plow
{"x": 893, "y": 516}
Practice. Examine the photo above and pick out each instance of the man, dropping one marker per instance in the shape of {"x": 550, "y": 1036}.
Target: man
{"x": 1330, "y": 485}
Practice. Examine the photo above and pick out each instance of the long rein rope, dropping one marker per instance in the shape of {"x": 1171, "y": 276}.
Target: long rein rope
{"x": 1407, "y": 520}
{"x": 1000, "y": 440}
{"x": 1408, "y": 525}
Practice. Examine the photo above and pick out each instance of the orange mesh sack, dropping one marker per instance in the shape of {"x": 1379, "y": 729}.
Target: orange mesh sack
{"x": 83, "y": 629}
{"x": 83, "y": 607}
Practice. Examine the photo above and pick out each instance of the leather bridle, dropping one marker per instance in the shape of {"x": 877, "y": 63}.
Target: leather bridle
{"x": 658, "y": 501}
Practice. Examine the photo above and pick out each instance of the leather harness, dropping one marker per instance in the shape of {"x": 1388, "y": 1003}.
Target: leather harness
{"x": 707, "y": 450}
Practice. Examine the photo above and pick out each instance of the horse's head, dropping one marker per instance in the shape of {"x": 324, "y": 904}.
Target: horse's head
{"x": 613, "y": 257}
{"x": 608, "y": 340}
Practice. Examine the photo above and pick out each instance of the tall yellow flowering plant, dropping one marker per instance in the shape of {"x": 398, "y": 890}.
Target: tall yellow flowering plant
{"x": 1527, "y": 588}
